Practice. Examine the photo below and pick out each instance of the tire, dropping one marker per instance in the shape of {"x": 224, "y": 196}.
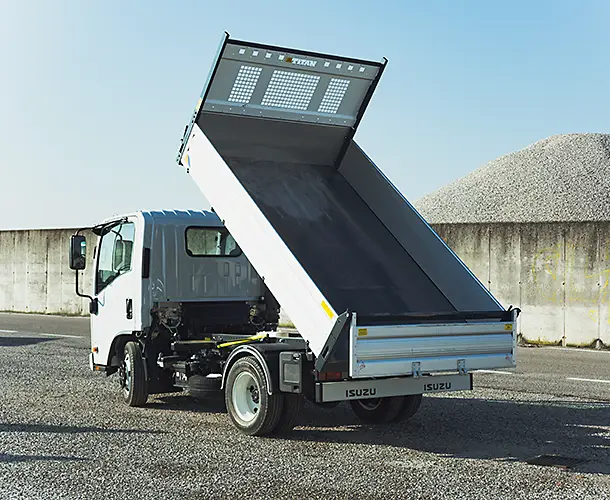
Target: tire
{"x": 379, "y": 410}
{"x": 133, "y": 375}
{"x": 410, "y": 406}
{"x": 249, "y": 405}
{"x": 204, "y": 388}
{"x": 291, "y": 409}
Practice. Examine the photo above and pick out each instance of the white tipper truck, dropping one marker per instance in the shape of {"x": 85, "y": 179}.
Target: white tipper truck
{"x": 301, "y": 217}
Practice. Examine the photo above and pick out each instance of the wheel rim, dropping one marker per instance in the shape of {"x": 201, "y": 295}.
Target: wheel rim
{"x": 370, "y": 404}
{"x": 245, "y": 395}
{"x": 126, "y": 378}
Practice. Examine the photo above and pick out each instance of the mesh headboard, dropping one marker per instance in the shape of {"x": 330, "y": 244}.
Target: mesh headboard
{"x": 278, "y": 84}
{"x": 286, "y": 84}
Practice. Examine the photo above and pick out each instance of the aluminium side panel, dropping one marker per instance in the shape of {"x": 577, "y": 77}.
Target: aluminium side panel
{"x": 275, "y": 263}
{"x": 442, "y": 266}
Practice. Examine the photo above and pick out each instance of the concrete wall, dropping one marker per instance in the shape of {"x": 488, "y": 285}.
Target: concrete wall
{"x": 35, "y": 276}
{"x": 557, "y": 273}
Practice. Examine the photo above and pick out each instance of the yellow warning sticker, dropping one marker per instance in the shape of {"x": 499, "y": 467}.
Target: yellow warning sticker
{"x": 363, "y": 332}
{"x": 508, "y": 327}
{"x": 327, "y": 309}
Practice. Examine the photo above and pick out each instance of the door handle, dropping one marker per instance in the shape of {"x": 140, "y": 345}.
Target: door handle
{"x": 129, "y": 308}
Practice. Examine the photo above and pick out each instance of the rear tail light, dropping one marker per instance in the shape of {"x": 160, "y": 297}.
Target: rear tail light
{"x": 326, "y": 376}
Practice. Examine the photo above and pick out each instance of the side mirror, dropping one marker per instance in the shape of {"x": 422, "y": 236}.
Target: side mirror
{"x": 78, "y": 252}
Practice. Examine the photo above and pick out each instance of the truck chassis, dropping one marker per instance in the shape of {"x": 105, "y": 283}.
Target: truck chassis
{"x": 264, "y": 378}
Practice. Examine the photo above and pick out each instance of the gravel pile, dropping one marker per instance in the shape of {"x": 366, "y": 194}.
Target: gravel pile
{"x": 562, "y": 178}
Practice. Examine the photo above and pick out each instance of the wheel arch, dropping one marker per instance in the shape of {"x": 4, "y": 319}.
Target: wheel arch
{"x": 244, "y": 351}
{"x": 117, "y": 346}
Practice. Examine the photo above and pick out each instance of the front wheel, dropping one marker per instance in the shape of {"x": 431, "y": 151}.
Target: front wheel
{"x": 250, "y": 406}
{"x": 133, "y": 375}
{"x": 386, "y": 410}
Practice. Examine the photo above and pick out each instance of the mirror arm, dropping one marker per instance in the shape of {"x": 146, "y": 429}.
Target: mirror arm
{"x": 84, "y": 295}
{"x": 76, "y": 271}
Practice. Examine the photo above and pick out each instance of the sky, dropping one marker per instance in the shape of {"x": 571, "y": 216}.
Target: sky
{"x": 94, "y": 95}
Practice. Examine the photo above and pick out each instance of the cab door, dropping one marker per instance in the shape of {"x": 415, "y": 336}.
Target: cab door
{"x": 115, "y": 285}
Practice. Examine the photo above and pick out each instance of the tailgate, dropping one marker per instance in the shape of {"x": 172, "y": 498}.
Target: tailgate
{"x": 419, "y": 349}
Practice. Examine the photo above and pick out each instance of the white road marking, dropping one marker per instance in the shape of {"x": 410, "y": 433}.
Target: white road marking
{"x": 577, "y": 349}
{"x": 60, "y": 335}
{"x": 44, "y": 334}
{"x": 500, "y": 372}
{"x": 589, "y": 380}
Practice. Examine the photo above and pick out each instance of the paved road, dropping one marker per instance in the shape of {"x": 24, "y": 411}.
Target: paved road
{"x": 546, "y": 370}
{"x": 64, "y": 433}
{"x": 556, "y": 371}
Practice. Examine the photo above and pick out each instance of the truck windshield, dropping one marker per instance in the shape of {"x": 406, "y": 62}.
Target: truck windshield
{"x": 210, "y": 241}
{"x": 115, "y": 255}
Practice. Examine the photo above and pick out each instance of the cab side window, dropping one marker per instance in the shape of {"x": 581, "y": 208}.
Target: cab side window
{"x": 210, "y": 241}
{"x": 115, "y": 255}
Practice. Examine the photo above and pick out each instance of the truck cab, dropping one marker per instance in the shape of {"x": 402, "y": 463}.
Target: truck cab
{"x": 164, "y": 275}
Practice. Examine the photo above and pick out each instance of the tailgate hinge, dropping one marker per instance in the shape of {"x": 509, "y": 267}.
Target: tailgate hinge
{"x": 416, "y": 369}
{"x": 461, "y": 366}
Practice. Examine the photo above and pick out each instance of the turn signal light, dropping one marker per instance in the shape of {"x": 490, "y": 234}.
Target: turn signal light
{"x": 94, "y": 349}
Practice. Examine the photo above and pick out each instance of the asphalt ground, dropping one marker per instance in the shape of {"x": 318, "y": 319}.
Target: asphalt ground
{"x": 65, "y": 433}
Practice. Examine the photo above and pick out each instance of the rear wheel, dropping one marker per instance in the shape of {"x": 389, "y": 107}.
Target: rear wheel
{"x": 386, "y": 410}
{"x": 410, "y": 406}
{"x": 132, "y": 375}
{"x": 250, "y": 406}
{"x": 291, "y": 409}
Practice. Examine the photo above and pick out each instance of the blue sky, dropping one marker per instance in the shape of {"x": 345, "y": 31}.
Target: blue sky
{"x": 94, "y": 95}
